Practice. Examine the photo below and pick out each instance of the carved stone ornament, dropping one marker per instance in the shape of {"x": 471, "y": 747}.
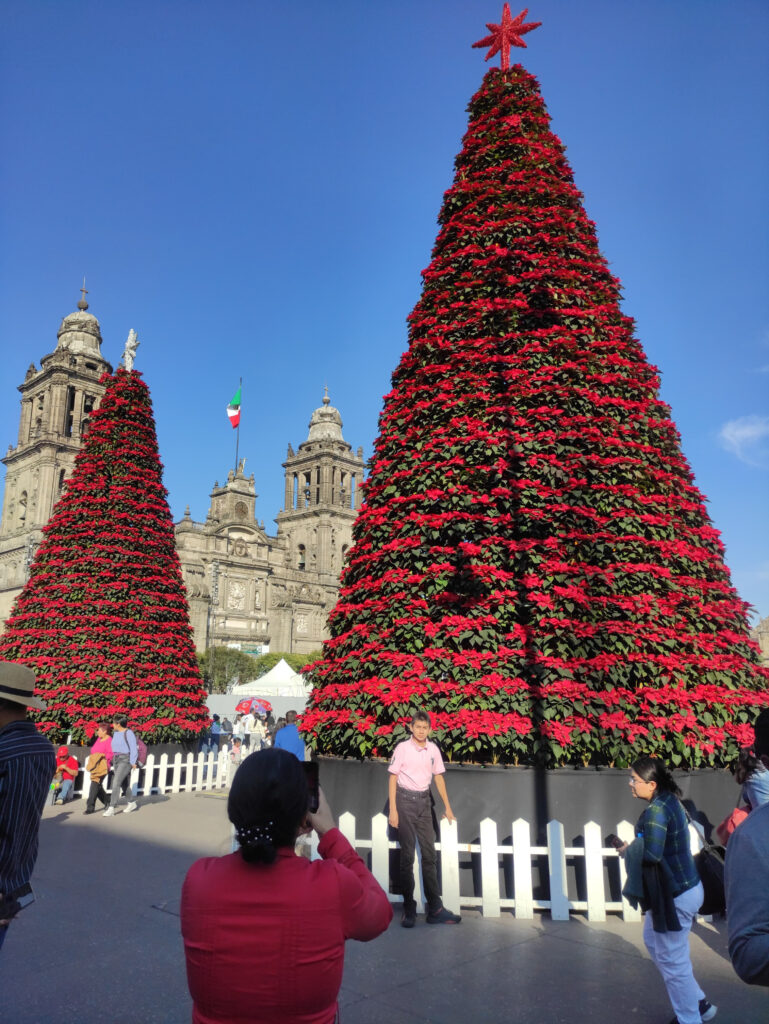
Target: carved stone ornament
{"x": 241, "y": 509}
{"x": 237, "y": 595}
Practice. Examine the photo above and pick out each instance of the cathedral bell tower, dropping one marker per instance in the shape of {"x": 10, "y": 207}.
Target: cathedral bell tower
{"x": 56, "y": 403}
{"x": 322, "y": 497}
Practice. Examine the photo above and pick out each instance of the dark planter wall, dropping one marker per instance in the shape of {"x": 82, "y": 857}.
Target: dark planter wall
{"x": 571, "y": 796}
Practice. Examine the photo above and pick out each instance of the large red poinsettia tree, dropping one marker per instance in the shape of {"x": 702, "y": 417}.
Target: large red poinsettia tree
{"x": 533, "y": 562}
{"x": 103, "y": 618}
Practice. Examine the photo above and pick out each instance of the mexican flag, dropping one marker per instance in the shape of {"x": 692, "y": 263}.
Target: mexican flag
{"x": 233, "y": 409}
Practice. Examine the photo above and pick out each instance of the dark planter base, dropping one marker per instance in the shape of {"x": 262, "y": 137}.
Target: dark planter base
{"x": 571, "y": 796}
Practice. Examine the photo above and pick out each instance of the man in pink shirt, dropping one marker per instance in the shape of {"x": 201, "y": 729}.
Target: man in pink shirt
{"x": 413, "y": 766}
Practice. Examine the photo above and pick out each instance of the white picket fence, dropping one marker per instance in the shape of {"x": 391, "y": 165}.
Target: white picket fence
{"x": 492, "y": 859}
{"x": 196, "y": 773}
{"x": 180, "y": 774}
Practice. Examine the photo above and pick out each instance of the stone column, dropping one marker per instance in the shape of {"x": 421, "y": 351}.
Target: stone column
{"x": 324, "y": 545}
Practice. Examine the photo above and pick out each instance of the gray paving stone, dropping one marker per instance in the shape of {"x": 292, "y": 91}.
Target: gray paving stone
{"x": 102, "y": 943}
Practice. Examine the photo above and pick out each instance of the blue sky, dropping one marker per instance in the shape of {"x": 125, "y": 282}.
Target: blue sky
{"x": 253, "y": 187}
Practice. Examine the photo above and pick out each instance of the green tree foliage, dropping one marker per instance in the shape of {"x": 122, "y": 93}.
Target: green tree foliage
{"x": 223, "y": 666}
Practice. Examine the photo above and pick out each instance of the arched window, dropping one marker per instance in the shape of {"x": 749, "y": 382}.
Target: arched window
{"x": 302, "y": 559}
{"x": 296, "y": 492}
{"x": 23, "y": 507}
{"x": 62, "y": 474}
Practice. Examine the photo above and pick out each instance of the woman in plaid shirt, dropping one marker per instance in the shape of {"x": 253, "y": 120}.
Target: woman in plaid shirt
{"x": 664, "y": 829}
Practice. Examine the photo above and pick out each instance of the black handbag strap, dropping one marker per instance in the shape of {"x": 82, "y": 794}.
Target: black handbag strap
{"x": 706, "y": 844}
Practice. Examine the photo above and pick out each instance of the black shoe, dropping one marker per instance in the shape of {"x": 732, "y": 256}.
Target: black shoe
{"x": 707, "y": 1011}
{"x": 90, "y": 810}
{"x": 443, "y": 916}
{"x": 409, "y": 918}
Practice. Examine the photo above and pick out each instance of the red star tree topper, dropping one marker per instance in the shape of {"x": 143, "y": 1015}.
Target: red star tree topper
{"x": 506, "y": 35}
{"x": 103, "y": 618}
{"x": 533, "y": 562}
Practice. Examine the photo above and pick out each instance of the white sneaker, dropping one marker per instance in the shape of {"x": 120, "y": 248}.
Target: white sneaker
{"x": 707, "y": 1010}
{"x": 109, "y": 812}
{"x": 131, "y": 807}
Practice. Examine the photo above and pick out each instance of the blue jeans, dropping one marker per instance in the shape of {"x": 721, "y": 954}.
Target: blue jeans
{"x": 121, "y": 777}
{"x": 64, "y": 791}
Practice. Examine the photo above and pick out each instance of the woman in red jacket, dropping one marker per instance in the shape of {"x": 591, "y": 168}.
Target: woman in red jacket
{"x": 264, "y": 930}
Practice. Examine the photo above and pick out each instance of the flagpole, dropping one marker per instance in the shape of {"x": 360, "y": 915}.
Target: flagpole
{"x": 237, "y": 429}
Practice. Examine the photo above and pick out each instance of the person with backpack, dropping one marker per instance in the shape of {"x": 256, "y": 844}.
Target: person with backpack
{"x": 125, "y": 756}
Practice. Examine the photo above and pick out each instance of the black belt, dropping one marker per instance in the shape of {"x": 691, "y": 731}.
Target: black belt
{"x": 414, "y": 793}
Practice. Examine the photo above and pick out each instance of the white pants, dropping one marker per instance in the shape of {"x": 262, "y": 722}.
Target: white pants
{"x": 670, "y": 952}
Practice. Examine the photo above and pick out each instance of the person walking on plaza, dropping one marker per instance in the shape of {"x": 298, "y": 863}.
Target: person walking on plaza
{"x": 248, "y": 725}
{"x": 226, "y": 734}
{"x": 413, "y": 766}
{"x": 259, "y": 734}
{"x": 125, "y": 754}
{"x": 27, "y": 764}
{"x": 663, "y": 842}
{"x": 67, "y": 769}
{"x": 215, "y": 735}
{"x": 747, "y": 881}
{"x": 288, "y": 737}
{"x": 98, "y": 765}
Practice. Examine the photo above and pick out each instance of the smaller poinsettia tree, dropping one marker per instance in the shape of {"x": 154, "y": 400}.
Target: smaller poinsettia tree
{"x": 103, "y": 619}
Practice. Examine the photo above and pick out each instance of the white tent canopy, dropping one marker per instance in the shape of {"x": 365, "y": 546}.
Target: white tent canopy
{"x": 280, "y": 681}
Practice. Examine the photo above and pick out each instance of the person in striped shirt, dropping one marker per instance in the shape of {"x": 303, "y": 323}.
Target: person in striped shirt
{"x": 27, "y": 764}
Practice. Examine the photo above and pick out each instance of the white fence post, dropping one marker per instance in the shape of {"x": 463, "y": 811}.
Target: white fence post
{"x": 163, "y": 773}
{"x": 347, "y": 827}
{"x": 450, "y": 864}
{"x": 524, "y": 899}
{"x": 177, "y": 775}
{"x": 223, "y": 770}
{"x": 489, "y": 868}
{"x": 626, "y": 833}
{"x": 189, "y": 776}
{"x": 149, "y": 773}
{"x": 596, "y": 892}
{"x": 556, "y": 859}
{"x": 380, "y": 851}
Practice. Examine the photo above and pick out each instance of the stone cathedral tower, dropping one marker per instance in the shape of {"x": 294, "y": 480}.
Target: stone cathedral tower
{"x": 56, "y": 403}
{"x": 323, "y": 495}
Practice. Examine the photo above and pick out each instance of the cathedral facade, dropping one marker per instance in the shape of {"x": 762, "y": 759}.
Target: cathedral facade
{"x": 246, "y": 588}
{"x": 259, "y": 592}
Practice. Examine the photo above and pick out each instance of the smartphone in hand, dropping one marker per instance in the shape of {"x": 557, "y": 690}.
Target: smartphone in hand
{"x": 615, "y": 841}
{"x": 313, "y": 784}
